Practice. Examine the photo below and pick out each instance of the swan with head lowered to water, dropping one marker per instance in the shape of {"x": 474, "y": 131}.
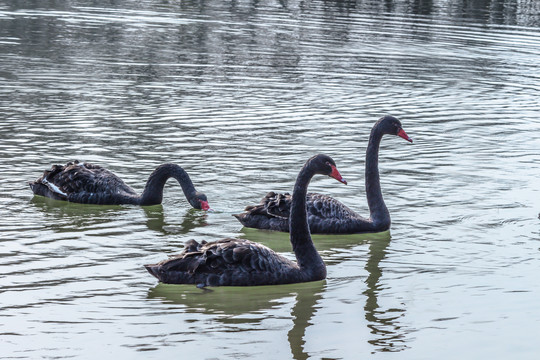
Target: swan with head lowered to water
{"x": 92, "y": 184}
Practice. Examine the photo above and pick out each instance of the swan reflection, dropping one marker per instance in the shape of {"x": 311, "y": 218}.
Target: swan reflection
{"x": 279, "y": 241}
{"x": 233, "y": 301}
{"x": 81, "y": 217}
{"x": 155, "y": 220}
{"x": 65, "y": 215}
{"x": 383, "y": 323}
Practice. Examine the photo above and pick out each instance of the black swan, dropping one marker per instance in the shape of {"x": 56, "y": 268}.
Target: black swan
{"x": 91, "y": 184}
{"x": 327, "y": 215}
{"x": 238, "y": 262}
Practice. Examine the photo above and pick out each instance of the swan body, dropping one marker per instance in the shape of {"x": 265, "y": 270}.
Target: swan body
{"x": 92, "y": 184}
{"x": 327, "y": 215}
{"x": 230, "y": 262}
{"x": 238, "y": 262}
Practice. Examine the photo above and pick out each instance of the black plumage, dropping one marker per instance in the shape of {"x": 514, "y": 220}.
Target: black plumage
{"x": 327, "y": 215}
{"x": 92, "y": 184}
{"x": 238, "y": 262}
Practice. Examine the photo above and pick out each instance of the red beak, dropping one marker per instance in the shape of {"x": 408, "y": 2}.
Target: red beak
{"x": 404, "y": 135}
{"x": 204, "y": 205}
{"x": 336, "y": 175}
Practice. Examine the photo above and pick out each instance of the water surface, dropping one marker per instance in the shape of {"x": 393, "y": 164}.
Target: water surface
{"x": 240, "y": 94}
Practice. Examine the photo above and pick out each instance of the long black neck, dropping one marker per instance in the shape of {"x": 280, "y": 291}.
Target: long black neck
{"x": 153, "y": 191}
{"x": 379, "y": 214}
{"x": 307, "y": 256}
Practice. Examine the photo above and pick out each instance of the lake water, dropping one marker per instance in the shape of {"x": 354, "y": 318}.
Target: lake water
{"x": 240, "y": 94}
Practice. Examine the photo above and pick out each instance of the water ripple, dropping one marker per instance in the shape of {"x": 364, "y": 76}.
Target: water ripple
{"x": 241, "y": 95}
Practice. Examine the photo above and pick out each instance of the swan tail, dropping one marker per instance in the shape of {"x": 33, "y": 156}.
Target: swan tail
{"x": 180, "y": 269}
{"x": 248, "y": 219}
{"x": 241, "y": 217}
{"x": 272, "y": 213}
{"x": 45, "y": 185}
{"x": 37, "y": 188}
{"x": 263, "y": 222}
{"x": 154, "y": 270}
{"x": 47, "y": 189}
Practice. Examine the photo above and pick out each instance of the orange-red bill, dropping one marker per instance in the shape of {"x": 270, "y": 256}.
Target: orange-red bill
{"x": 204, "y": 205}
{"x": 336, "y": 175}
{"x": 404, "y": 135}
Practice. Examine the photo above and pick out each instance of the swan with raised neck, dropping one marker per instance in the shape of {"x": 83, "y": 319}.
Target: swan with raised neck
{"x": 240, "y": 262}
{"x": 327, "y": 215}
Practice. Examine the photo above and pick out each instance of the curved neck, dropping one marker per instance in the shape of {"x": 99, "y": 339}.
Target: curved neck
{"x": 306, "y": 255}
{"x": 153, "y": 191}
{"x": 379, "y": 214}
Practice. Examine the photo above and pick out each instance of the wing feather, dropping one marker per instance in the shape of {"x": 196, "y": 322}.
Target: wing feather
{"x": 81, "y": 182}
{"x": 223, "y": 262}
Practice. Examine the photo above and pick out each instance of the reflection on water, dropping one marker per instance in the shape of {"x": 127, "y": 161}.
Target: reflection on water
{"x": 302, "y": 313}
{"x": 384, "y": 324}
{"x": 79, "y": 215}
{"x": 83, "y": 216}
{"x": 231, "y": 300}
{"x": 280, "y": 241}
{"x": 236, "y": 302}
{"x": 190, "y": 220}
{"x": 72, "y": 218}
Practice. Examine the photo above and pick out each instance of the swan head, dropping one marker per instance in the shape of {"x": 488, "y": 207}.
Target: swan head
{"x": 325, "y": 165}
{"x": 199, "y": 201}
{"x": 392, "y": 126}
